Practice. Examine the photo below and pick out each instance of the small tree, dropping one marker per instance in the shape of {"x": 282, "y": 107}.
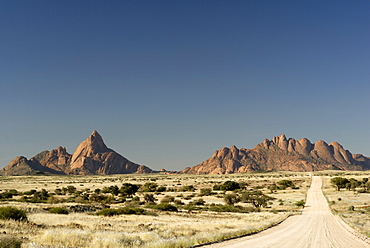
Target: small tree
{"x": 128, "y": 189}
{"x": 229, "y": 186}
{"x": 353, "y": 184}
{"x": 114, "y": 190}
{"x": 149, "y": 187}
{"x": 71, "y": 189}
{"x": 286, "y": 184}
{"x": 339, "y": 182}
{"x": 256, "y": 198}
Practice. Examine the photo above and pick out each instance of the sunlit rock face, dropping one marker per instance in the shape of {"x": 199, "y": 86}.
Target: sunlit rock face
{"x": 281, "y": 153}
{"x": 91, "y": 157}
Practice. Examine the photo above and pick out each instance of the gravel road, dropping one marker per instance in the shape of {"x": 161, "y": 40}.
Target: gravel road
{"x": 317, "y": 227}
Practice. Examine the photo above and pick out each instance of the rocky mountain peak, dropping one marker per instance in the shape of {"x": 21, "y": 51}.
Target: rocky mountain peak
{"x": 281, "y": 153}
{"x": 92, "y": 145}
{"x": 92, "y": 156}
{"x": 95, "y": 142}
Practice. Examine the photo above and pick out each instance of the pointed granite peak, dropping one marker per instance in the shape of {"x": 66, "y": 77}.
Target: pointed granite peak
{"x": 92, "y": 145}
{"x": 92, "y": 156}
{"x": 95, "y": 142}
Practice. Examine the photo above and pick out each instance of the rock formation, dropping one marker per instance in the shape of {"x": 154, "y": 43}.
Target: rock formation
{"x": 91, "y": 157}
{"x": 282, "y": 154}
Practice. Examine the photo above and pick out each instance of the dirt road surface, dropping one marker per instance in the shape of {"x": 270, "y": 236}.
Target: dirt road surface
{"x": 317, "y": 227}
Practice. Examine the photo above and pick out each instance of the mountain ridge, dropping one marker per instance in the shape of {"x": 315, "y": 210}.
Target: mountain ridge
{"x": 91, "y": 157}
{"x": 281, "y": 153}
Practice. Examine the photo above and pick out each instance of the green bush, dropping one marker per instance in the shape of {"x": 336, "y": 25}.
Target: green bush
{"x": 227, "y": 186}
{"x": 108, "y": 212}
{"x": 189, "y": 188}
{"x": 230, "y": 199}
{"x": 119, "y": 211}
{"x": 13, "y": 213}
{"x": 168, "y": 199}
{"x": 286, "y": 184}
{"x": 198, "y": 202}
{"x": 149, "y": 187}
{"x": 31, "y": 192}
{"x": 10, "y": 242}
{"x": 58, "y": 210}
{"x": 165, "y": 207}
{"x": 127, "y": 210}
{"x": 230, "y": 208}
{"x": 300, "y": 203}
{"x": 205, "y": 192}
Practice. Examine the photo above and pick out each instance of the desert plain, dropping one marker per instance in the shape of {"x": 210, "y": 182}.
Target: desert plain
{"x": 178, "y": 210}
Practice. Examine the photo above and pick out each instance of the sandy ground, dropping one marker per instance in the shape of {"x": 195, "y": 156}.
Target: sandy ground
{"x": 317, "y": 227}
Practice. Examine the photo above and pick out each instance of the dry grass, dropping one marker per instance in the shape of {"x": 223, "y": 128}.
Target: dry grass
{"x": 341, "y": 201}
{"x": 175, "y": 229}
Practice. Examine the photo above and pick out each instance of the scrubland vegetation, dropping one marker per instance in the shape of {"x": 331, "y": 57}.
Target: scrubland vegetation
{"x": 348, "y": 194}
{"x": 153, "y": 210}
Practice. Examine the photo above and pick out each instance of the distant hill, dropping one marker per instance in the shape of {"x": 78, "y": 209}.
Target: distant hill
{"x": 280, "y": 154}
{"x": 91, "y": 157}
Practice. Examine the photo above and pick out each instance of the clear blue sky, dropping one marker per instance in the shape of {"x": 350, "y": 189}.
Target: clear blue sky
{"x": 166, "y": 83}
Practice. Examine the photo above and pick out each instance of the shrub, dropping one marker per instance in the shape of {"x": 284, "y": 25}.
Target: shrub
{"x": 188, "y": 188}
{"x": 119, "y": 211}
{"x": 108, "y": 212}
{"x": 199, "y": 201}
{"x": 230, "y": 199}
{"x": 272, "y": 187}
{"x": 165, "y": 207}
{"x": 230, "y": 186}
{"x": 235, "y": 209}
{"x": 134, "y": 210}
{"x": 13, "y": 213}
{"x": 114, "y": 190}
{"x": 161, "y": 189}
{"x": 149, "y": 198}
{"x": 149, "y": 187}
{"x": 191, "y": 207}
{"x": 10, "y": 242}
{"x": 178, "y": 202}
{"x": 58, "y": 210}
{"x": 168, "y": 199}
{"x": 300, "y": 203}
{"x": 205, "y": 192}
{"x": 31, "y": 192}
{"x": 216, "y": 187}
{"x": 286, "y": 184}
